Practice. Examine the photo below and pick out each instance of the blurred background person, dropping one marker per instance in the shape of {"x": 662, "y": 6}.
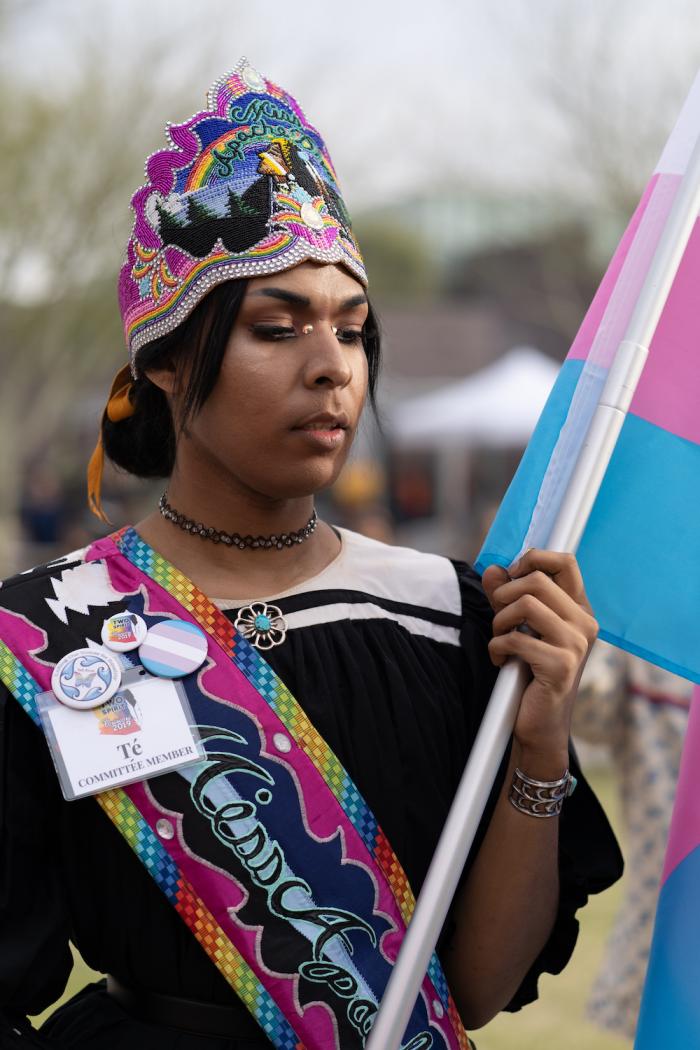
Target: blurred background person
{"x": 638, "y": 713}
{"x": 42, "y": 512}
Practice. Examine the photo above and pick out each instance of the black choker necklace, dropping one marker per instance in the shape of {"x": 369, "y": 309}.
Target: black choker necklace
{"x": 232, "y": 539}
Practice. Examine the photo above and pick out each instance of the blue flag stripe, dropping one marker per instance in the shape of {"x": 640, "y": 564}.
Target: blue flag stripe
{"x": 670, "y": 1015}
{"x": 640, "y": 553}
{"x": 513, "y": 519}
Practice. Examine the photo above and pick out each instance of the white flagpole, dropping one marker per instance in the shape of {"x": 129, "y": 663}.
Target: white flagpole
{"x": 494, "y": 734}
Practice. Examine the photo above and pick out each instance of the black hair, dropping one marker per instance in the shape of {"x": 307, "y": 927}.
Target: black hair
{"x": 144, "y": 443}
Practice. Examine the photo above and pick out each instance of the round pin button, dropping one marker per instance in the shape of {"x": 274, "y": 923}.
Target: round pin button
{"x": 124, "y": 631}
{"x": 173, "y": 648}
{"x": 86, "y": 678}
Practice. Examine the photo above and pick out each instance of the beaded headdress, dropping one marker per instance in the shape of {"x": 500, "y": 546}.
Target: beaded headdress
{"x": 246, "y": 188}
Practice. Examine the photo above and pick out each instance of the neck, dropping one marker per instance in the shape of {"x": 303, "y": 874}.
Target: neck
{"x": 223, "y": 571}
{"x": 235, "y": 539}
{"x": 245, "y": 512}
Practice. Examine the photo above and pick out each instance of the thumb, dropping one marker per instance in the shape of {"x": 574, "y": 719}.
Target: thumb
{"x": 494, "y": 576}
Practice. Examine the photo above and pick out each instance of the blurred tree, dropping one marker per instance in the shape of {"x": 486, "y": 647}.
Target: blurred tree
{"x": 612, "y": 79}
{"x": 541, "y": 285}
{"x": 398, "y": 262}
{"x": 607, "y": 126}
{"x": 71, "y": 152}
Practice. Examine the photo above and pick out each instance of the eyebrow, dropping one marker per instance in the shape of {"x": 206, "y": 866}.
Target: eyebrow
{"x": 303, "y": 300}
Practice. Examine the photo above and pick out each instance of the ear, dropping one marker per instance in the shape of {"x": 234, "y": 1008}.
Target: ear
{"x": 165, "y": 378}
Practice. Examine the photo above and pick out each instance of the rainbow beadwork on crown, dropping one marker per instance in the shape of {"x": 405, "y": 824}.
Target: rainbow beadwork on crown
{"x": 246, "y": 188}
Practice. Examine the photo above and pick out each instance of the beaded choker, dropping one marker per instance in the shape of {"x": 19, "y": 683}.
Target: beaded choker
{"x": 232, "y": 539}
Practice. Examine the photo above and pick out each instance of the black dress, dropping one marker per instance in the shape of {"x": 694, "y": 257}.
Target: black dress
{"x": 386, "y": 650}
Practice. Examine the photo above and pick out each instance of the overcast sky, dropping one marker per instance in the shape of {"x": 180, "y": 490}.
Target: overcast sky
{"x": 406, "y": 93}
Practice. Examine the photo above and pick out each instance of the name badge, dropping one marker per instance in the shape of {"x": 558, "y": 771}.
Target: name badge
{"x": 143, "y": 730}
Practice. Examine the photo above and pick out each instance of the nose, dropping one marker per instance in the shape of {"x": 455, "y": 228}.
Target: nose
{"x": 327, "y": 363}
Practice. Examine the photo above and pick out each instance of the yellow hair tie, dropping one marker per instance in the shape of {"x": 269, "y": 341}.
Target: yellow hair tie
{"x": 119, "y": 406}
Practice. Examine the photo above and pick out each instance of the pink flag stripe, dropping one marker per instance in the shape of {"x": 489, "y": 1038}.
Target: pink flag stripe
{"x": 671, "y": 370}
{"x": 668, "y": 393}
{"x": 684, "y": 836}
{"x": 604, "y": 325}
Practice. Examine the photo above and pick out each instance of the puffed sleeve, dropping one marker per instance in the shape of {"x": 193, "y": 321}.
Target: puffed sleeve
{"x": 589, "y": 857}
{"x": 35, "y": 958}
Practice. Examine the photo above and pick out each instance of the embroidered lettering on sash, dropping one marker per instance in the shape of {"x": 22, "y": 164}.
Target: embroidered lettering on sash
{"x": 264, "y": 861}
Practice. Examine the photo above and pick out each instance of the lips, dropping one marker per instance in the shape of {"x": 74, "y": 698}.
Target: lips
{"x": 323, "y": 432}
{"x": 324, "y": 421}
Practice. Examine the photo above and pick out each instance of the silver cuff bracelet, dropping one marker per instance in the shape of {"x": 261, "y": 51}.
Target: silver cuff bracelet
{"x": 540, "y": 798}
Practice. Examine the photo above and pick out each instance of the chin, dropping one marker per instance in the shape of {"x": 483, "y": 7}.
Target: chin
{"x": 301, "y": 481}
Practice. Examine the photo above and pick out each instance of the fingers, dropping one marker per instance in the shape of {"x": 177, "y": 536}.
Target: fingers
{"x": 494, "y": 576}
{"x": 552, "y": 577}
{"x": 546, "y": 622}
{"x": 551, "y": 665}
{"x": 562, "y": 568}
{"x": 545, "y": 590}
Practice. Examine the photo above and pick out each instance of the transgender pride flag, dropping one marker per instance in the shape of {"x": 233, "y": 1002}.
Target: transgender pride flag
{"x": 640, "y": 552}
{"x": 670, "y": 1015}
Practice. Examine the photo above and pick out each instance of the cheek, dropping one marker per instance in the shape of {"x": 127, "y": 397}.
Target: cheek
{"x": 360, "y": 375}
{"x": 241, "y": 403}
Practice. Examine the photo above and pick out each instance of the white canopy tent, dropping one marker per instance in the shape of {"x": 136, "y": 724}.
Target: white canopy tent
{"x": 497, "y": 407}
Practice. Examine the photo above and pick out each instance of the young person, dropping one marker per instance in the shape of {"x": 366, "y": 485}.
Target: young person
{"x": 252, "y": 888}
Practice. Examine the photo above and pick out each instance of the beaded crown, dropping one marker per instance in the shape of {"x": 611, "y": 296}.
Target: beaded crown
{"x": 246, "y": 187}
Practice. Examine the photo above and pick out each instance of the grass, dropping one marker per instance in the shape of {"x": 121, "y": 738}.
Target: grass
{"x": 556, "y": 1021}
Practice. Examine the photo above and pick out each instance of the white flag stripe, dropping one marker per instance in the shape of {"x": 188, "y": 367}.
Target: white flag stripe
{"x": 170, "y": 645}
{"x": 676, "y": 154}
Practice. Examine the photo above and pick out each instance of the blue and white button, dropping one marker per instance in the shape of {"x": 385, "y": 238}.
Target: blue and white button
{"x": 173, "y": 648}
{"x": 86, "y": 678}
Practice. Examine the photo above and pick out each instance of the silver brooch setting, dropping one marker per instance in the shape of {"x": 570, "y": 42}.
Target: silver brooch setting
{"x": 262, "y": 625}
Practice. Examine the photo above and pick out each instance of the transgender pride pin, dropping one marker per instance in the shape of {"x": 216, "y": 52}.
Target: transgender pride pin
{"x": 173, "y": 648}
